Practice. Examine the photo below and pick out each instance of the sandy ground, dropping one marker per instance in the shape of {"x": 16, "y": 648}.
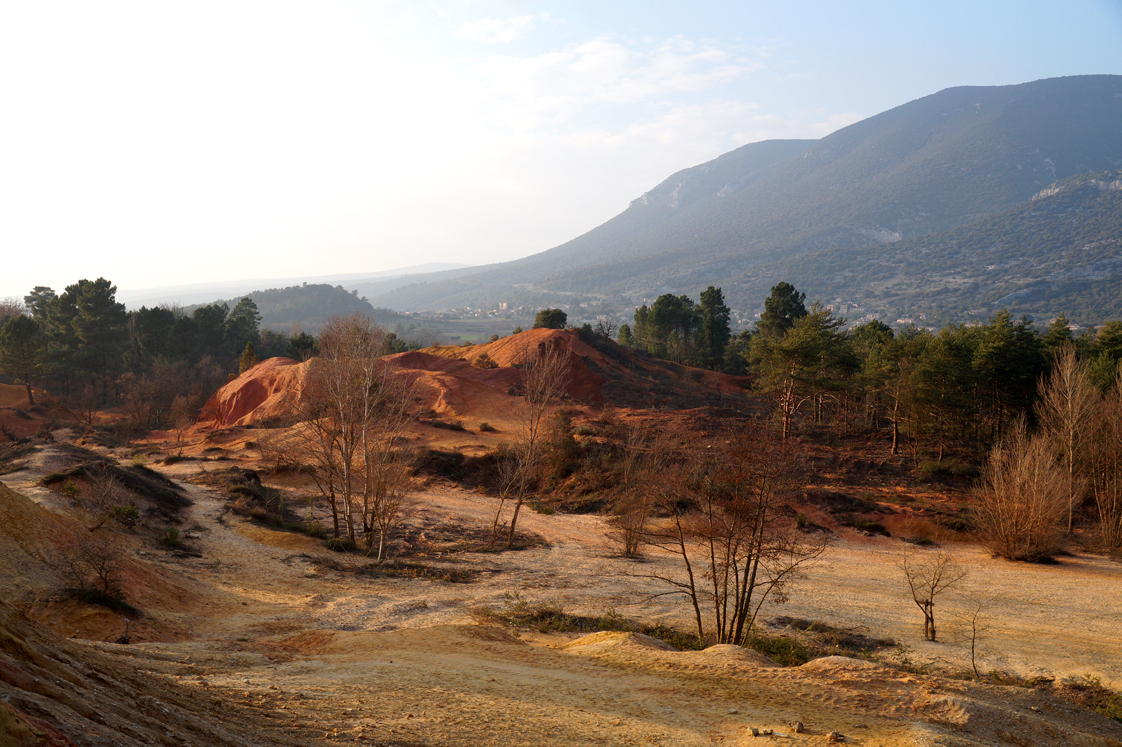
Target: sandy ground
{"x": 332, "y": 657}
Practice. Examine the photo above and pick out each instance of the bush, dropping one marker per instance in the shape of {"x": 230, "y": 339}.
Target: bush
{"x": 487, "y": 428}
{"x": 172, "y": 537}
{"x": 1023, "y": 499}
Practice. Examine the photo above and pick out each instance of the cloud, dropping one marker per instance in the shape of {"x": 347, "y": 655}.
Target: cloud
{"x": 495, "y": 30}
{"x": 548, "y": 89}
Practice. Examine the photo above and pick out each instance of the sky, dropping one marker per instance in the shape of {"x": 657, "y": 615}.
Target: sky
{"x": 160, "y": 144}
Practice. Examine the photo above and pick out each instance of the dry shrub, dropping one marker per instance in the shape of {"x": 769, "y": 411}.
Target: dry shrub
{"x": 1106, "y": 480}
{"x": 92, "y": 563}
{"x": 1024, "y": 497}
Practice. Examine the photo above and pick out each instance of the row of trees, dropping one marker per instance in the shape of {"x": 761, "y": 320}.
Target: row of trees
{"x": 85, "y": 343}
{"x": 676, "y": 328}
{"x": 926, "y": 390}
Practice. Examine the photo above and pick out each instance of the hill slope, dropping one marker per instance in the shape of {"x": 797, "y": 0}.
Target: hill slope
{"x": 1059, "y": 252}
{"x": 928, "y": 166}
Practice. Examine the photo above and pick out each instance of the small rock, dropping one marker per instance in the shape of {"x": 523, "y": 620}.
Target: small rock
{"x": 834, "y": 737}
{"x": 755, "y": 731}
{"x": 732, "y": 710}
{"x": 796, "y": 726}
{"x": 767, "y": 732}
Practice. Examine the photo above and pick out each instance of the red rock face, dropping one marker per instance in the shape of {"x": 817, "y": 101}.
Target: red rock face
{"x": 270, "y": 390}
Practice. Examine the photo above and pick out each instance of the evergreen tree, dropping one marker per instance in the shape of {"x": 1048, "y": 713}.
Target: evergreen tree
{"x": 100, "y": 328}
{"x": 243, "y": 325}
{"x": 782, "y": 309}
{"x": 22, "y": 351}
{"x": 624, "y": 336}
{"x": 551, "y": 319}
{"x": 301, "y": 346}
{"x": 248, "y": 358}
{"x": 713, "y": 331}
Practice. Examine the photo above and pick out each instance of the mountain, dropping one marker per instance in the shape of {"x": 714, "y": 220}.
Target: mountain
{"x": 1059, "y": 252}
{"x": 933, "y": 165}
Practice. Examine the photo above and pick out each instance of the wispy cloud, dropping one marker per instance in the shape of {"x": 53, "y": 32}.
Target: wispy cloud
{"x": 559, "y": 85}
{"x": 495, "y": 30}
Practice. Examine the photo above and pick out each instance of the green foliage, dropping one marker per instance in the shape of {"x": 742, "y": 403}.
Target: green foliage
{"x": 302, "y": 346}
{"x": 782, "y": 309}
{"x": 551, "y": 319}
{"x": 22, "y": 348}
{"x": 248, "y": 358}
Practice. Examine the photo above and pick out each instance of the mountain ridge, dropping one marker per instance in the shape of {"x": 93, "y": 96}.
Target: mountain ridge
{"x": 930, "y": 165}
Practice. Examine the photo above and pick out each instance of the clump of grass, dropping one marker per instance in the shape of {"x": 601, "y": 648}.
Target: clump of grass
{"x": 398, "y": 568}
{"x": 1089, "y": 692}
{"x": 487, "y": 428}
{"x": 171, "y": 537}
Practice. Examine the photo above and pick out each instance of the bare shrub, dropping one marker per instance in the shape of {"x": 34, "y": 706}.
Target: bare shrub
{"x": 927, "y": 577}
{"x": 93, "y": 565}
{"x": 642, "y": 457}
{"x": 1023, "y": 498}
{"x": 1106, "y": 468}
{"x": 545, "y": 376}
{"x": 107, "y": 499}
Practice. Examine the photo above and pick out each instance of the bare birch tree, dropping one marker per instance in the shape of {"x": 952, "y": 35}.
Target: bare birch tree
{"x": 356, "y": 413}
{"x": 1067, "y": 405}
{"x": 644, "y": 455}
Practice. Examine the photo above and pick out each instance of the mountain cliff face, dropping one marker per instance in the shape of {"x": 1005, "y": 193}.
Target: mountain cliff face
{"x": 936, "y": 164}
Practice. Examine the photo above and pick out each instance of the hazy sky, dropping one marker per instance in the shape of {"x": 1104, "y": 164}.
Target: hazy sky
{"x": 160, "y": 143}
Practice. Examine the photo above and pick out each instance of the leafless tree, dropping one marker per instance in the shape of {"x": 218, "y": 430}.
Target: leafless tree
{"x": 736, "y": 547}
{"x": 10, "y": 307}
{"x": 356, "y": 412}
{"x": 1106, "y": 467}
{"x": 642, "y": 455}
{"x": 1023, "y": 497}
{"x": 84, "y": 405}
{"x": 545, "y": 377}
{"x": 927, "y": 578}
{"x": 974, "y": 621}
{"x": 1067, "y": 405}
{"x": 92, "y": 563}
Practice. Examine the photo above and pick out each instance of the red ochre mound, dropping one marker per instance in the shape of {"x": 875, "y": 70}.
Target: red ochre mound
{"x": 271, "y": 390}
{"x": 448, "y": 380}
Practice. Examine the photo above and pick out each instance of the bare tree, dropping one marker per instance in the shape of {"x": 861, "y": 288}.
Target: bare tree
{"x": 356, "y": 413}
{"x": 93, "y": 565}
{"x": 643, "y": 454}
{"x": 927, "y": 578}
{"x": 974, "y": 621}
{"x": 1106, "y": 472}
{"x": 545, "y": 377}
{"x": 1068, "y": 402}
{"x": 736, "y": 547}
{"x": 1023, "y": 498}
